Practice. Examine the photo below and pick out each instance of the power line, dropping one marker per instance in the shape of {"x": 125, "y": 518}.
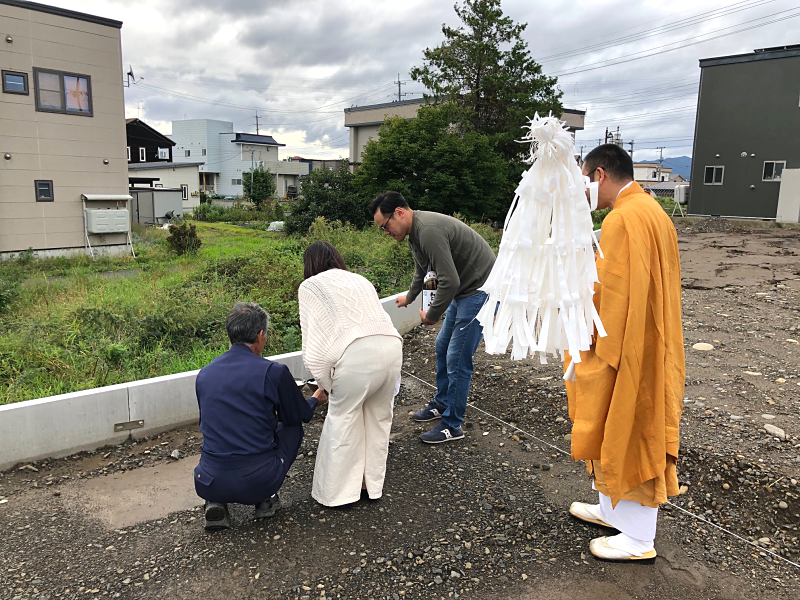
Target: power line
{"x": 684, "y": 43}
{"x": 674, "y": 26}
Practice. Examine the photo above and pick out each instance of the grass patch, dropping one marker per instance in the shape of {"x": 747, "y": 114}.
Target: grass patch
{"x": 75, "y": 323}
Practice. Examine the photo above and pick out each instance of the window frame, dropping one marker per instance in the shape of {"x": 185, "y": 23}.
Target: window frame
{"x": 713, "y": 173}
{"x": 129, "y": 154}
{"x": 774, "y": 162}
{"x": 236, "y": 181}
{"x": 62, "y": 74}
{"x": 184, "y": 191}
{"x": 25, "y": 82}
{"x": 166, "y": 153}
{"x": 203, "y": 152}
{"x": 187, "y": 153}
{"x": 142, "y": 154}
{"x": 51, "y": 197}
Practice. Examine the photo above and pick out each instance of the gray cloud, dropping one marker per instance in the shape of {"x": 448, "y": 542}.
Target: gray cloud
{"x": 302, "y": 62}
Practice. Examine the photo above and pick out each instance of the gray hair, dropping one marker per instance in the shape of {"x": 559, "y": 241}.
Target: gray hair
{"x": 244, "y": 322}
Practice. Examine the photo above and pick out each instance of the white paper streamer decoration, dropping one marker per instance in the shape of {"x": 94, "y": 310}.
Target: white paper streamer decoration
{"x": 543, "y": 279}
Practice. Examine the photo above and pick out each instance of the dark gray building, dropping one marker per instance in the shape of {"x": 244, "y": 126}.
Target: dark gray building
{"x": 747, "y": 132}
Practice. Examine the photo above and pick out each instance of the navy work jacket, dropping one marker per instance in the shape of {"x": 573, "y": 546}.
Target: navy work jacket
{"x": 242, "y": 398}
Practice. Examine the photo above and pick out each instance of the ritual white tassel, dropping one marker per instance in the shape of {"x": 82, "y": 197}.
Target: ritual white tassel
{"x": 540, "y": 289}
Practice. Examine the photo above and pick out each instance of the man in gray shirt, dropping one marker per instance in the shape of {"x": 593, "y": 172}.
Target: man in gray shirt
{"x": 462, "y": 261}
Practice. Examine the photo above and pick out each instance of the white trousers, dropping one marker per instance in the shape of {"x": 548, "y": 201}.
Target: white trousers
{"x": 355, "y": 437}
{"x": 634, "y": 520}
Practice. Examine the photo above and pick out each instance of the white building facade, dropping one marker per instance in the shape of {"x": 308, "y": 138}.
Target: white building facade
{"x": 650, "y": 173}
{"x": 225, "y": 155}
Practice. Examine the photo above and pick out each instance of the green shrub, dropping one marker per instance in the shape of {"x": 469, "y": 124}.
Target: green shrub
{"x": 329, "y": 194}
{"x": 7, "y": 295}
{"x": 183, "y": 238}
{"x": 238, "y": 213}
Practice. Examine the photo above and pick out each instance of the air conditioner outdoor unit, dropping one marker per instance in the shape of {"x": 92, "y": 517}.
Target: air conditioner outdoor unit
{"x": 107, "y": 220}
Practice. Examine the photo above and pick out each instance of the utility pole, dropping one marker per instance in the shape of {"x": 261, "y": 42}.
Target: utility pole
{"x": 399, "y": 83}
{"x": 660, "y": 162}
{"x": 631, "y": 143}
{"x": 138, "y": 110}
{"x": 256, "y": 122}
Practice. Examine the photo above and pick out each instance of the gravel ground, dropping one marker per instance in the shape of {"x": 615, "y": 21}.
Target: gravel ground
{"x": 484, "y": 517}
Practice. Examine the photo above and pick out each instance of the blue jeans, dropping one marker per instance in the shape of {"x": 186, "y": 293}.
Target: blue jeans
{"x": 455, "y": 345}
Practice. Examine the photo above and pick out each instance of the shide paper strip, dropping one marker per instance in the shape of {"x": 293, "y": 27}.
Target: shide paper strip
{"x": 541, "y": 287}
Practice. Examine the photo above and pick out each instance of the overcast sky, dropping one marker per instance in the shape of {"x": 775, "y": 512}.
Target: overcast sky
{"x": 301, "y": 62}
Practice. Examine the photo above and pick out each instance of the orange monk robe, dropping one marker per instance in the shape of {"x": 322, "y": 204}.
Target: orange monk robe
{"x": 626, "y": 401}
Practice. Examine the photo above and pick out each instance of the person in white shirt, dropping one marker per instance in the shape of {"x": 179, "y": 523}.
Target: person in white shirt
{"x": 355, "y": 353}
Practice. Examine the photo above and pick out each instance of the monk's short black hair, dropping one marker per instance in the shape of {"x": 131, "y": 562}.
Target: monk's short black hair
{"x": 617, "y": 163}
{"x": 387, "y": 202}
{"x": 245, "y": 321}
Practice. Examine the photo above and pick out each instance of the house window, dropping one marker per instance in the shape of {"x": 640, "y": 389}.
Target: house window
{"x": 187, "y": 153}
{"x": 60, "y": 92}
{"x": 236, "y": 182}
{"x": 163, "y": 154}
{"x": 142, "y": 155}
{"x": 129, "y": 154}
{"x": 203, "y": 152}
{"x": 773, "y": 170}
{"x": 184, "y": 191}
{"x": 15, "y": 82}
{"x": 714, "y": 175}
{"x": 44, "y": 190}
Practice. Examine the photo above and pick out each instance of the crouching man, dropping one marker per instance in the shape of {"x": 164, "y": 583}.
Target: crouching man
{"x": 251, "y": 412}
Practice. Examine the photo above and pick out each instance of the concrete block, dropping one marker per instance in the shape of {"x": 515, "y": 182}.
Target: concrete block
{"x": 293, "y": 360}
{"x": 163, "y": 403}
{"x": 403, "y": 319}
{"x": 62, "y": 425}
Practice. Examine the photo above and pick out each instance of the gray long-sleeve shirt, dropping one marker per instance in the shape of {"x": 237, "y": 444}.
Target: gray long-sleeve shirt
{"x": 460, "y": 256}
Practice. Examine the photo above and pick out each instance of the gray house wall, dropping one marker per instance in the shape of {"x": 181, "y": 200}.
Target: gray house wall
{"x": 747, "y": 104}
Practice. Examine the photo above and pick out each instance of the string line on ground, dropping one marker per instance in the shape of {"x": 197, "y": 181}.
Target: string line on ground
{"x": 562, "y": 451}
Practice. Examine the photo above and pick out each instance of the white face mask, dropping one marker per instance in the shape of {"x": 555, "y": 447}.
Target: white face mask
{"x": 593, "y": 192}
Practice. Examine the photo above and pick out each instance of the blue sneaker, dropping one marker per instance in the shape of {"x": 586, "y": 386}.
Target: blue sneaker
{"x": 429, "y": 413}
{"x": 442, "y": 433}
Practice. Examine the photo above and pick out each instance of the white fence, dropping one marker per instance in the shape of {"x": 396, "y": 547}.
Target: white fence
{"x": 68, "y": 423}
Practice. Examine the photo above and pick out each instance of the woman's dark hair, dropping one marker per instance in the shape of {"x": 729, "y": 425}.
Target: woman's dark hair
{"x": 319, "y": 257}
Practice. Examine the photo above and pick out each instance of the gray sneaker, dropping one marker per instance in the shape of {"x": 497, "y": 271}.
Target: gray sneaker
{"x": 216, "y": 516}
{"x": 268, "y": 508}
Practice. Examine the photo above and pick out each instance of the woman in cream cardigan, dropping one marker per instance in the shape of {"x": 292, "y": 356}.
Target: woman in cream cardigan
{"x": 355, "y": 354}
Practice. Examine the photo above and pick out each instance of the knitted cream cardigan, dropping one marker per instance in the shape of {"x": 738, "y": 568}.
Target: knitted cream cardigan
{"x": 336, "y": 308}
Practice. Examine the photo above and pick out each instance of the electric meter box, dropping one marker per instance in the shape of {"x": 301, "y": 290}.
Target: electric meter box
{"x": 108, "y": 220}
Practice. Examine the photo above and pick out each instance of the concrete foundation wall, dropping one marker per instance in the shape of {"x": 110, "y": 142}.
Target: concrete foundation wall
{"x": 62, "y": 425}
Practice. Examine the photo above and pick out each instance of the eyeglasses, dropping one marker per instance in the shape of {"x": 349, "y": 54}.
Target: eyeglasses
{"x": 383, "y": 227}
{"x": 590, "y": 173}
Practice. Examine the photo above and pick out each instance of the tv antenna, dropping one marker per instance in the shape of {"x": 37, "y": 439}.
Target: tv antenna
{"x": 131, "y": 78}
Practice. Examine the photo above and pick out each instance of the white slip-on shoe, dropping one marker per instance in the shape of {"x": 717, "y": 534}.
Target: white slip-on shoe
{"x": 589, "y": 513}
{"x": 604, "y": 549}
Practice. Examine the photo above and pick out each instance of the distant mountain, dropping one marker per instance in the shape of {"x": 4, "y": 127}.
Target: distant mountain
{"x": 680, "y": 165}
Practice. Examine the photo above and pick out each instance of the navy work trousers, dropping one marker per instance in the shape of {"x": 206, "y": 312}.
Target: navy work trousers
{"x": 248, "y": 479}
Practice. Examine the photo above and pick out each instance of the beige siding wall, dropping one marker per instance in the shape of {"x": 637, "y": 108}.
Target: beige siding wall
{"x": 67, "y": 149}
{"x": 362, "y": 135}
{"x": 174, "y": 177}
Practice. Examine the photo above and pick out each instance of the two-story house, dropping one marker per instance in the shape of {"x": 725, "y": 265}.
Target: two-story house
{"x": 746, "y": 146}
{"x": 226, "y": 155}
{"x": 62, "y": 130}
{"x": 146, "y": 144}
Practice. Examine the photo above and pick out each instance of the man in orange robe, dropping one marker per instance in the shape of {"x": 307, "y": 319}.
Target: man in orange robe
{"x": 626, "y": 399}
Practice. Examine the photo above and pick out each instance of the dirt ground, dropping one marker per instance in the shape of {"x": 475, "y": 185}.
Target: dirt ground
{"x": 481, "y": 518}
